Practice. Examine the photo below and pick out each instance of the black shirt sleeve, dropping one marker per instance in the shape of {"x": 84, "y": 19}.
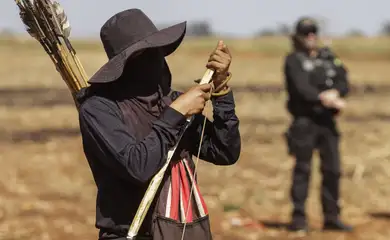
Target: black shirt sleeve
{"x": 221, "y": 143}
{"x": 299, "y": 79}
{"x": 341, "y": 80}
{"x": 103, "y": 130}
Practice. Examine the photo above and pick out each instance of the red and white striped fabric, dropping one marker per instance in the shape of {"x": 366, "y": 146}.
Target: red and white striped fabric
{"x": 178, "y": 204}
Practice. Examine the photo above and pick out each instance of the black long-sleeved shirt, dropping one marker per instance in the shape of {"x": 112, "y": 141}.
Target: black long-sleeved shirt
{"x": 304, "y": 89}
{"x": 122, "y": 166}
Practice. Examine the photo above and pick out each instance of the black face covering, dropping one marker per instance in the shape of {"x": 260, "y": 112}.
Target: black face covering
{"x": 145, "y": 83}
{"x": 144, "y": 73}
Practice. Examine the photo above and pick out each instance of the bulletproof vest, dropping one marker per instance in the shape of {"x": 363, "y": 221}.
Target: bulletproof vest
{"x": 321, "y": 69}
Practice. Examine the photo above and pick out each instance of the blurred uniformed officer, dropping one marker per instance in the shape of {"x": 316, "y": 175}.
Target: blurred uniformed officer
{"x": 316, "y": 81}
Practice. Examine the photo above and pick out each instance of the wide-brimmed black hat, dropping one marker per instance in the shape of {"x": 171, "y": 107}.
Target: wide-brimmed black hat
{"x": 128, "y": 32}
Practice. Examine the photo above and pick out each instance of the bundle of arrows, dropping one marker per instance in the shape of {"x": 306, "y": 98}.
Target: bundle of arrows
{"x": 47, "y": 22}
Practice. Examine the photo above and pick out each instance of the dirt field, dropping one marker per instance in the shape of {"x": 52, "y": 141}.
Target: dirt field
{"x": 47, "y": 190}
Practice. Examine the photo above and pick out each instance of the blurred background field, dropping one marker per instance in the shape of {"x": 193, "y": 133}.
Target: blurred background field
{"x": 46, "y": 186}
{"x": 47, "y": 190}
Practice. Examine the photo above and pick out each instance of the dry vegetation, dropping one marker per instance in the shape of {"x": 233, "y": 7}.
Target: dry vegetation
{"x": 47, "y": 190}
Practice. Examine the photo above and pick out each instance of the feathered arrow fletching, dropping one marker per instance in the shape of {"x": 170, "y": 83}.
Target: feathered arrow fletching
{"x": 29, "y": 24}
{"x": 28, "y": 19}
{"x": 47, "y": 22}
{"x": 63, "y": 19}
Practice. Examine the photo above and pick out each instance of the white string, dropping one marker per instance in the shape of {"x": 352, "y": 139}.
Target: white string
{"x": 195, "y": 171}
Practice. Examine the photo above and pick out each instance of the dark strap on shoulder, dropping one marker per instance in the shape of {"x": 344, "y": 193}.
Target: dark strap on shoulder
{"x": 82, "y": 95}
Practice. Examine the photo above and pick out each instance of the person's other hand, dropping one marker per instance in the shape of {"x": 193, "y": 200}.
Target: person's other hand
{"x": 219, "y": 61}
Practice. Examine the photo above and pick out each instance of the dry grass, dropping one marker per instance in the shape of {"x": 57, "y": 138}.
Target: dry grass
{"x": 47, "y": 190}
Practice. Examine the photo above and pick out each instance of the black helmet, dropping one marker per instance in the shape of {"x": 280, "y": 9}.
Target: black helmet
{"x": 305, "y": 26}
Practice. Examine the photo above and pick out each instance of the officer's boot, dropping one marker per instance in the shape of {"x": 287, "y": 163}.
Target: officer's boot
{"x": 303, "y": 137}
{"x": 337, "y": 225}
{"x": 330, "y": 189}
{"x": 330, "y": 205}
{"x": 299, "y": 192}
{"x": 298, "y": 223}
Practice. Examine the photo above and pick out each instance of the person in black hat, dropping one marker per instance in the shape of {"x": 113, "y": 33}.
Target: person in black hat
{"x": 317, "y": 83}
{"x": 130, "y": 117}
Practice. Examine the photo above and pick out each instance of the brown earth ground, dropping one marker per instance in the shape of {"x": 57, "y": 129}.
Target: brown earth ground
{"x": 47, "y": 190}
